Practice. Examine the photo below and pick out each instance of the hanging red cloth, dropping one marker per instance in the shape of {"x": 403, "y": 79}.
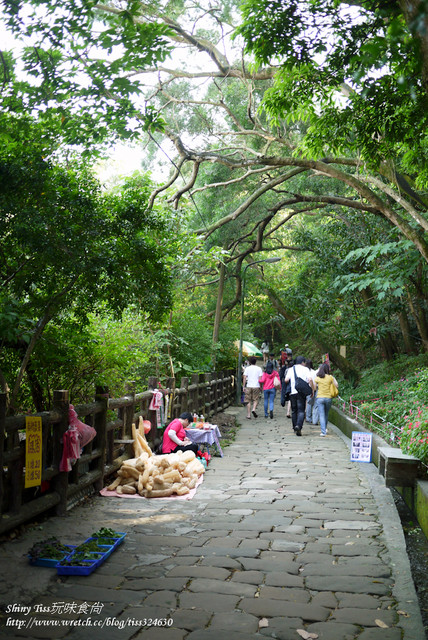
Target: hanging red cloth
{"x": 85, "y": 431}
{"x": 70, "y": 449}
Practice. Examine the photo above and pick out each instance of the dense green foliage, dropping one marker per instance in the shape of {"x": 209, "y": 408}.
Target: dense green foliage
{"x": 392, "y": 399}
{"x": 249, "y": 180}
{"x": 68, "y": 249}
{"x": 88, "y": 97}
{"x": 370, "y": 53}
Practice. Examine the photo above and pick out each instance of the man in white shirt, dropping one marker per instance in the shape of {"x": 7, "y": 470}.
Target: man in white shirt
{"x": 297, "y": 399}
{"x": 252, "y": 375}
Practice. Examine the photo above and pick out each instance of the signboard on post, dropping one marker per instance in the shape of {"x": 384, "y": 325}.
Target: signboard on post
{"x": 361, "y": 446}
{"x": 33, "y": 451}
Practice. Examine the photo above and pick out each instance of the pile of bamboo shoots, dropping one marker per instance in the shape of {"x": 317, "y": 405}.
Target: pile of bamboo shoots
{"x": 156, "y": 476}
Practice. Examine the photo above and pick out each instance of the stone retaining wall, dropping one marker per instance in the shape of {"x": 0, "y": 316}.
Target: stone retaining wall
{"x": 416, "y": 497}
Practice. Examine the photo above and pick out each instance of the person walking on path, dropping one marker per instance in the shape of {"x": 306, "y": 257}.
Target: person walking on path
{"x": 324, "y": 398}
{"x": 297, "y": 398}
{"x": 287, "y": 362}
{"x": 265, "y": 351}
{"x": 311, "y": 404}
{"x": 273, "y": 361}
{"x": 251, "y": 384}
{"x": 270, "y": 381}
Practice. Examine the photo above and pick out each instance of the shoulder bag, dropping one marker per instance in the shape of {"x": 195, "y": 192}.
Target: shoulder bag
{"x": 301, "y": 385}
{"x": 334, "y": 391}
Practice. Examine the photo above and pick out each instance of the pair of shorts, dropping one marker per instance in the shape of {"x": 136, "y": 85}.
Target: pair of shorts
{"x": 252, "y": 394}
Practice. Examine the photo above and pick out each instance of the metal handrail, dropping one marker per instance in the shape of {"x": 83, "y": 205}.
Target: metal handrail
{"x": 386, "y": 429}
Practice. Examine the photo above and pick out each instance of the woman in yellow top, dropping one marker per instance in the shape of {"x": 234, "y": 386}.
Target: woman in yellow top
{"x": 323, "y": 380}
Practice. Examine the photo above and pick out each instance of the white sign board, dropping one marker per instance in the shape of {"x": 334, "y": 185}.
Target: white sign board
{"x": 361, "y": 447}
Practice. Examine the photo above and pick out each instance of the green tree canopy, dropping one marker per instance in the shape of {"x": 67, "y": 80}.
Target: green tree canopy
{"x": 68, "y": 248}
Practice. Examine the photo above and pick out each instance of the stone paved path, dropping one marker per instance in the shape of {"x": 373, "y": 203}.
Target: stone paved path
{"x": 284, "y": 536}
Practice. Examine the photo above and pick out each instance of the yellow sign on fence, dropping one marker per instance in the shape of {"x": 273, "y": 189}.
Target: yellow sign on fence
{"x": 33, "y": 451}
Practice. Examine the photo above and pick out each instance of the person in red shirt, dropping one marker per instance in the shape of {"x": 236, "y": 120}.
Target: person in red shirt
{"x": 269, "y": 387}
{"x": 174, "y": 437}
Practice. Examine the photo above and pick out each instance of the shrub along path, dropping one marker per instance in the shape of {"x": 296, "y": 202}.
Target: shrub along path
{"x": 284, "y": 536}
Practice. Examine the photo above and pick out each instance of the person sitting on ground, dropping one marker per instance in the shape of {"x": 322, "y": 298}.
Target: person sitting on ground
{"x": 175, "y": 438}
{"x": 251, "y": 386}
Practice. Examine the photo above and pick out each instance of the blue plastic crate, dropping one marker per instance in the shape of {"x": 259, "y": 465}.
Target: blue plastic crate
{"x": 48, "y": 562}
{"x": 78, "y": 570}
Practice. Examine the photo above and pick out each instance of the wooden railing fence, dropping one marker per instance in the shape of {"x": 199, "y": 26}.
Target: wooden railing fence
{"x": 112, "y": 419}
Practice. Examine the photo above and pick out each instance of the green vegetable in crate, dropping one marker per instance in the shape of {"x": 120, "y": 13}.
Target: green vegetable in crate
{"x": 50, "y": 548}
{"x": 104, "y": 532}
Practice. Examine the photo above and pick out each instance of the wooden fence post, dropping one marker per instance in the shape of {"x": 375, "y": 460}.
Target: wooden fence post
{"x": 184, "y": 384}
{"x": 152, "y": 383}
{"x": 100, "y": 426}
{"x": 194, "y": 397}
{"x": 216, "y": 384}
{"x": 201, "y": 393}
{"x": 3, "y": 399}
{"x": 208, "y": 396}
{"x": 60, "y": 481}
{"x": 129, "y": 413}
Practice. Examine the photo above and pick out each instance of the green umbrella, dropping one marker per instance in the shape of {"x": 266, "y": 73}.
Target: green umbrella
{"x": 249, "y": 349}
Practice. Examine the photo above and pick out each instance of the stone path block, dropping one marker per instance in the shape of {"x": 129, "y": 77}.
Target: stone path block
{"x": 214, "y": 573}
{"x": 200, "y": 585}
{"x": 285, "y": 593}
{"x": 213, "y": 634}
{"x": 283, "y": 579}
{"x": 351, "y": 584}
{"x": 357, "y": 601}
{"x": 213, "y": 602}
{"x": 381, "y": 634}
{"x": 325, "y": 569}
{"x": 250, "y": 577}
{"x": 271, "y": 608}
{"x": 190, "y": 619}
{"x": 365, "y": 617}
{"x": 334, "y": 631}
{"x": 164, "y": 599}
{"x": 234, "y": 622}
{"x": 157, "y": 633}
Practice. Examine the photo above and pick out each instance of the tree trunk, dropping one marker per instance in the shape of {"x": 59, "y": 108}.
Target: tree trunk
{"x": 409, "y": 342}
{"x": 416, "y": 15}
{"x": 388, "y": 346}
{"x": 421, "y": 321}
{"x": 219, "y": 304}
{"x": 36, "y": 389}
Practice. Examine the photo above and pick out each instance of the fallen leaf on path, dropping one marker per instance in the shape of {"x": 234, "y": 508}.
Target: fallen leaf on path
{"x": 306, "y": 635}
{"x": 403, "y": 613}
{"x": 263, "y": 622}
{"x": 381, "y": 624}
